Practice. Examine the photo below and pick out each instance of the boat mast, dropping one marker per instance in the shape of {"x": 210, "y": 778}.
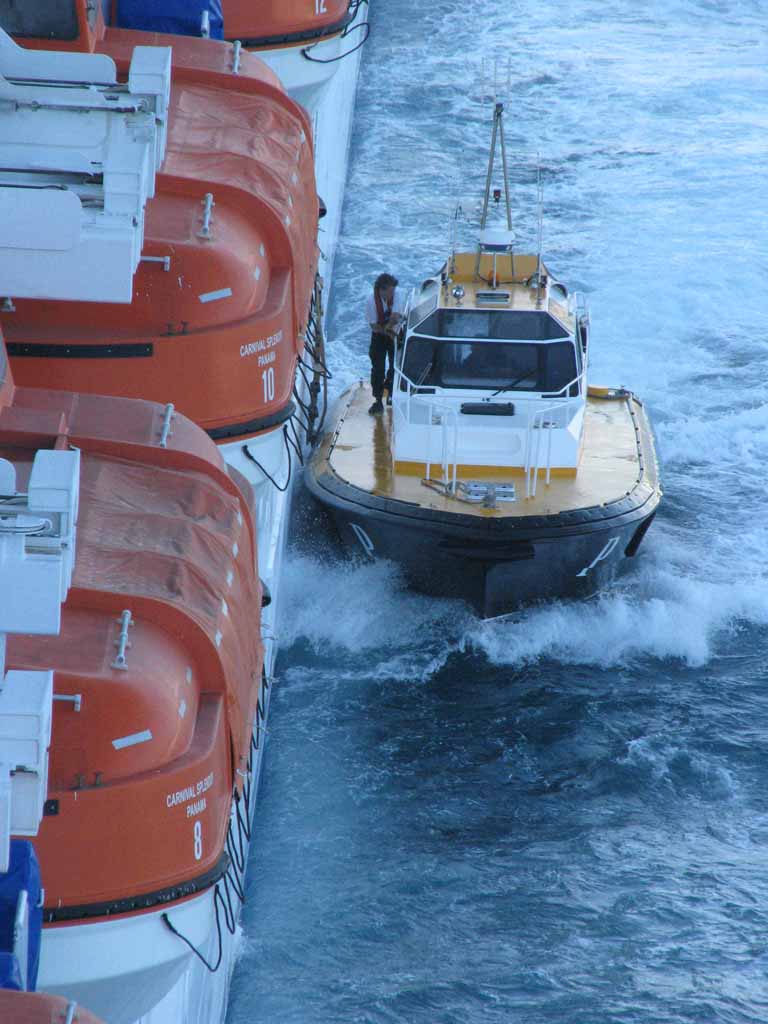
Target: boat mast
{"x": 497, "y": 133}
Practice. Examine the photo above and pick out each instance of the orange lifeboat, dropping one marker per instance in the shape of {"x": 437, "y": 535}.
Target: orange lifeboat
{"x": 304, "y": 41}
{"x": 222, "y": 298}
{"x": 286, "y": 22}
{"x": 40, "y": 1008}
{"x": 157, "y": 688}
{"x": 135, "y": 710}
{"x": 270, "y": 23}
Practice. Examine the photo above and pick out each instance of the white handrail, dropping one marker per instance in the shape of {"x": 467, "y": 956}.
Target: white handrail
{"x": 538, "y": 417}
{"x": 448, "y": 452}
{"x": 533, "y": 465}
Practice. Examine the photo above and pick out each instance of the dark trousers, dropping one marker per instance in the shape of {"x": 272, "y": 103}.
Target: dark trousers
{"x": 382, "y": 350}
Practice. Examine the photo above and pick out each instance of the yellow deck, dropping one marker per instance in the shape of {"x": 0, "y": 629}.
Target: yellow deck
{"x": 617, "y": 442}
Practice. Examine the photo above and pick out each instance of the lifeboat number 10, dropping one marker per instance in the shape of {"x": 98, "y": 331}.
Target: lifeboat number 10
{"x": 320, "y": 7}
{"x": 268, "y": 383}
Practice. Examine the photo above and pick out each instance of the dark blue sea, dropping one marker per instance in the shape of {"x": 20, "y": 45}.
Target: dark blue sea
{"x": 560, "y": 818}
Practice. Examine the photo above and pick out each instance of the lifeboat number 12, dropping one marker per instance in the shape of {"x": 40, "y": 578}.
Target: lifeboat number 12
{"x": 320, "y": 7}
{"x": 268, "y": 383}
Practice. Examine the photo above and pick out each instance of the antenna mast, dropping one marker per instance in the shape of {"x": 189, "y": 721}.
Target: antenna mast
{"x": 496, "y": 131}
{"x": 497, "y": 138}
{"x": 540, "y": 202}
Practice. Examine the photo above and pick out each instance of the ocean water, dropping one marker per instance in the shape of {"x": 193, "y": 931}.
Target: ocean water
{"x": 560, "y": 818}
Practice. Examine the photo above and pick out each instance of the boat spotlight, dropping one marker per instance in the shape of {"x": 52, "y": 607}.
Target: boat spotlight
{"x": 458, "y": 292}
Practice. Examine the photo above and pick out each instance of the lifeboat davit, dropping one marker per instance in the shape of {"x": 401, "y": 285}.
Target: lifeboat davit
{"x": 157, "y": 684}
{"x": 495, "y": 474}
{"x": 40, "y": 1008}
{"x": 135, "y": 712}
{"x": 223, "y": 293}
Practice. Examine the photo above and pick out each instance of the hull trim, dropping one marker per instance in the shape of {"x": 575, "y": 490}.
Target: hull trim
{"x": 310, "y": 35}
{"x": 253, "y": 426}
{"x": 37, "y": 350}
{"x": 331, "y": 490}
{"x": 145, "y": 901}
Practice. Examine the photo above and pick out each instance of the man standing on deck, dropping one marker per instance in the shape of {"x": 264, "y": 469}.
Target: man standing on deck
{"x": 383, "y": 312}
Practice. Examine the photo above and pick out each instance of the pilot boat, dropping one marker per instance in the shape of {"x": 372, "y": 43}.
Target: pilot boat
{"x": 497, "y": 475}
{"x": 134, "y": 686}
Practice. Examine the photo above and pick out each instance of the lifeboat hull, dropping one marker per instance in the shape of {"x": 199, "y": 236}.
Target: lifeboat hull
{"x": 286, "y": 22}
{"x": 306, "y": 51}
{"x": 121, "y": 968}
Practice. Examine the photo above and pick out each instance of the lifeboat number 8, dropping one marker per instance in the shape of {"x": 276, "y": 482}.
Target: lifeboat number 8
{"x": 320, "y": 7}
{"x": 268, "y": 382}
{"x": 197, "y": 832}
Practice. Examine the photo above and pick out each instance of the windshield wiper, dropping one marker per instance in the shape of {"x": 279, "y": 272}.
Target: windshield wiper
{"x": 511, "y": 384}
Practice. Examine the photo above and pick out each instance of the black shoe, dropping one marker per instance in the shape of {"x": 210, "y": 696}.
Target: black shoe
{"x": 376, "y": 408}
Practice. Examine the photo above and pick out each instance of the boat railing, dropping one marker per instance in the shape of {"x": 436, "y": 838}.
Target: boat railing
{"x": 577, "y": 304}
{"x": 443, "y": 411}
{"x": 437, "y": 412}
{"x": 449, "y": 446}
{"x": 538, "y": 450}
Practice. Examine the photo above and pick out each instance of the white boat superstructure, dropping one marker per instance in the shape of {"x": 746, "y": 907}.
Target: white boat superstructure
{"x": 491, "y": 376}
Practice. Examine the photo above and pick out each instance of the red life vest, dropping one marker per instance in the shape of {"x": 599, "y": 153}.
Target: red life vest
{"x": 383, "y": 313}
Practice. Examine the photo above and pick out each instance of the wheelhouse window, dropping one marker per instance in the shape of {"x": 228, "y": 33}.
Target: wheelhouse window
{"x": 44, "y": 19}
{"x": 490, "y": 365}
{"x": 422, "y": 309}
{"x": 511, "y": 324}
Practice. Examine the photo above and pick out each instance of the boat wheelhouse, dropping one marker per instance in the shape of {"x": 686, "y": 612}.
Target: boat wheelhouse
{"x": 491, "y": 377}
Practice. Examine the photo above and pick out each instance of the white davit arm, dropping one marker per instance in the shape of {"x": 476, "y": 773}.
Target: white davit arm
{"x": 78, "y": 158}
{"x": 37, "y": 554}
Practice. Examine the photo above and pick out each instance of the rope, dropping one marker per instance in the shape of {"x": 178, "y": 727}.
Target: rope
{"x": 296, "y": 445}
{"x": 233, "y": 880}
{"x": 330, "y": 60}
{"x": 269, "y": 477}
{"x": 212, "y": 968}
